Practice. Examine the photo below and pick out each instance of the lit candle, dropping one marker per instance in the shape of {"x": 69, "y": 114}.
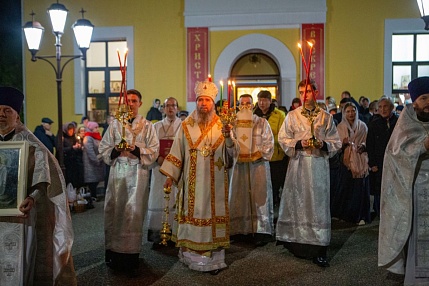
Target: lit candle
{"x": 311, "y": 44}
{"x": 229, "y": 92}
{"x": 119, "y": 57}
{"x": 302, "y": 57}
{"x": 221, "y": 92}
{"x": 233, "y": 94}
{"x": 309, "y": 58}
{"x": 120, "y": 68}
{"x": 124, "y": 75}
{"x": 210, "y": 78}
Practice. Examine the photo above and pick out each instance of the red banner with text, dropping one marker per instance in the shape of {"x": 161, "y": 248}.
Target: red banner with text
{"x": 197, "y": 58}
{"x": 315, "y": 33}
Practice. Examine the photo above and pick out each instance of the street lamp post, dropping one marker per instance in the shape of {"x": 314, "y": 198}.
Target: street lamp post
{"x": 33, "y": 33}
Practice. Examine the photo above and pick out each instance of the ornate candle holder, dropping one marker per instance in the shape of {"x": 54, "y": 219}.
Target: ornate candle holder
{"x": 165, "y": 233}
{"x": 227, "y": 115}
{"x": 123, "y": 114}
{"x": 313, "y": 142}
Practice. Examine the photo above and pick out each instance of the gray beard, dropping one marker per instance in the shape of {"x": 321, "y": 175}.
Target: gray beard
{"x": 204, "y": 118}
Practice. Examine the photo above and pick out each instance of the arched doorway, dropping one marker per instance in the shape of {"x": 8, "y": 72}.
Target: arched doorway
{"x": 267, "y": 46}
{"x": 255, "y": 71}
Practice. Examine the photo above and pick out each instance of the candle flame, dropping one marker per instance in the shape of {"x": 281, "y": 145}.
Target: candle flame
{"x": 310, "y": 44}
{"x": 299, "y": 45}
{"x": 233, "y": 83}
{"x": 221, "y": 83}
{"x": 229, "y": 82}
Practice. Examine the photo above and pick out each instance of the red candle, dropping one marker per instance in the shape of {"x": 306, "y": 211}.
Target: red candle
{"x": 210, "y": 78}
{"x": 302, "y": 58}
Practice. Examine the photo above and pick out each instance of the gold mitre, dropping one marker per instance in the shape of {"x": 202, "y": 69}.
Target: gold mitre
{"x": 206, "y": 88}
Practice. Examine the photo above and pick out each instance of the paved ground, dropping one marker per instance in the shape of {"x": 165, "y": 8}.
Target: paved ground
{"x": 352, "y": 254}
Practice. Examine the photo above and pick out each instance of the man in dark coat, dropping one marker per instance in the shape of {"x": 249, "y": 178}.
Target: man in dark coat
{"x": 379, "y": 131}
{"x": 44, "y": 134}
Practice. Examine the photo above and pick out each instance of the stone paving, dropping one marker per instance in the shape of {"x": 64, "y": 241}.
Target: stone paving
{"x": 352, "y": 255}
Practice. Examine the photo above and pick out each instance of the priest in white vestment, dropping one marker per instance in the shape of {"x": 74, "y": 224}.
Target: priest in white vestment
{"x": 165, "y": 129}
{"x": 127, "y": 191}
{"x": 309, "y": 137}
{"x": 403, "y": 243}
{"x": 201, "y": 154}
{"x": 250, "y": 192}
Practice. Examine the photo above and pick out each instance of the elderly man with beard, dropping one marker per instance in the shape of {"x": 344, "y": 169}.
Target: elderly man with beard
{"x": 404, "y": 232}
{"x": 201, "y": 154}
{"x": 48, "y": 233}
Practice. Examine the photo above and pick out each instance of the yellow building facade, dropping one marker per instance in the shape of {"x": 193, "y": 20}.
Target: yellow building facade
{"x": 354, "y": 48}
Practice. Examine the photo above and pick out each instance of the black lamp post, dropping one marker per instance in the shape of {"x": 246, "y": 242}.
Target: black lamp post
{"x": 33, "y": 33}
{"x": 424, "y": 11}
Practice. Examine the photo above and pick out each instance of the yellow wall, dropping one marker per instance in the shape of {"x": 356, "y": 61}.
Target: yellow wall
{"x": 355, "y": 44}
{"x": 354, "y": 48}
{"x": 159, "y": 38}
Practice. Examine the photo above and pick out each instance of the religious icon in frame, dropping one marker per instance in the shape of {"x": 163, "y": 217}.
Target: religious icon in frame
{"x": 13, "y": 176}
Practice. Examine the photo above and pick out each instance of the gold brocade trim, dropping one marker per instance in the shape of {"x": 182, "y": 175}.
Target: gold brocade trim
{"x": 249, "y": 157}
{"x": 217, "y": 143}
{"x": 189, "y": 121}
{"x": 174, "y": 160}
{"x": 167, "y": 175}
{"x": 244, "y": 124}
{"x": 310, "y": 114}
{"x": 204, "y": 133}
{"x": 204, "y": 222}
{"x": 223, "y": 242}
{"x": 192, "y": 179}
{"x": 226, "y": 193}
{"x": 213, "y": 193}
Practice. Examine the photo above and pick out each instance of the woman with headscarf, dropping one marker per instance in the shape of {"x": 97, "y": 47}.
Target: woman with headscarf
{"x": 92, "y": 162}
{"x": 353, "y": 204}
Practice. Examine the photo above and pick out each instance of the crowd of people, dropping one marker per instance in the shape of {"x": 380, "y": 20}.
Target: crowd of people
{"x": 225, "y": 180}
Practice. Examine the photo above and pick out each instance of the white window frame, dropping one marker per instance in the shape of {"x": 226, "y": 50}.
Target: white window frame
{"x": 102, "y": 34}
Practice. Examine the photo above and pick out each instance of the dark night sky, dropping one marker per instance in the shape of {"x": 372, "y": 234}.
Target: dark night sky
{"x": 11, "y": 43}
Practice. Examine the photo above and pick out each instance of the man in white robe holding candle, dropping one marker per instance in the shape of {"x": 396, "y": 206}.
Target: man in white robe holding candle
{"x": 201, "y": 154}
{"x": 309, "y": 137}
{"x": 250, "y": 192}
{"x": 127, "y": 191}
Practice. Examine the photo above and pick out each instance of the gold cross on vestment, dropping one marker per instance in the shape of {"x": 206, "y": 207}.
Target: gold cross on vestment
{"x": 190, "y": 121}
{"x": 244, "y": 137}
{"x": 219, "y": 163}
